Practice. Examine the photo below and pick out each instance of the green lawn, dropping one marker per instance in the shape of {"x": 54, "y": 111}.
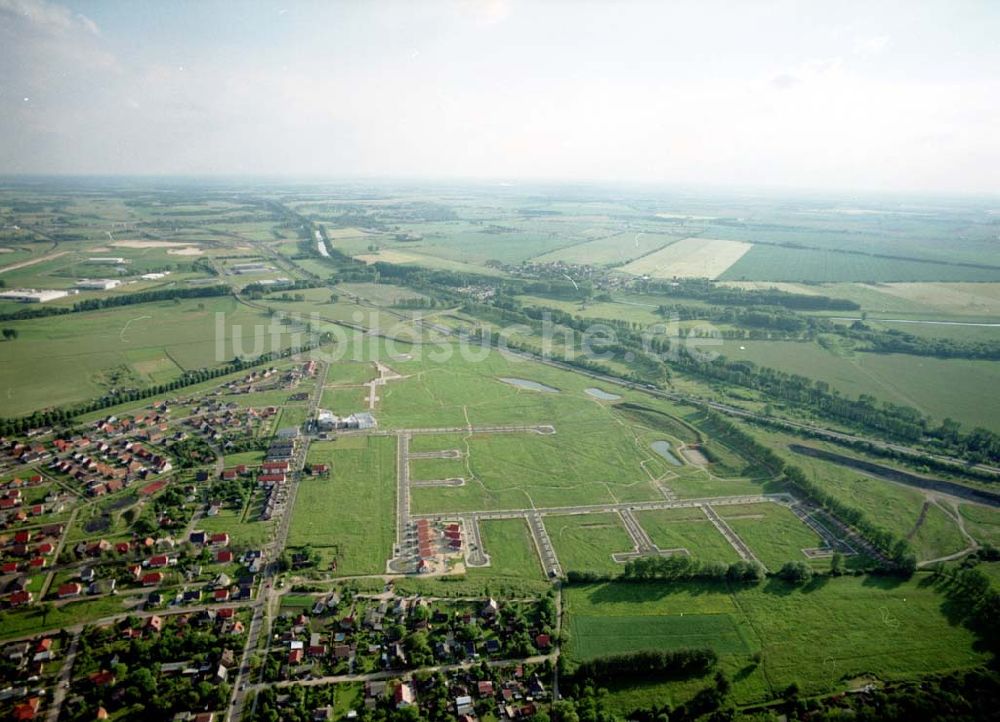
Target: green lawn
{"x": 350, "y": 516}
{"x": 345, "y": 402}
{"x": 350, "y": 373}
{"x": 433, "y": 469}
{"x": 244, "y": 533}
{"x": 31, "y": 621}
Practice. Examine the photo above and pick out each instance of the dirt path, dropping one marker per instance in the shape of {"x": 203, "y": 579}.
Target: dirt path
{"x": 32, "y": 261}
{"x": 920, "y": 520}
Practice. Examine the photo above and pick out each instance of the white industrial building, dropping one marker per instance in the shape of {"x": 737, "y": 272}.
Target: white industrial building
{"x": 241, "y": 268}
{"x": 31, "y": 295}
{"x": 329, "y": 421}
{"x": 108, "y": 260}
{"x": 97, "y": 284}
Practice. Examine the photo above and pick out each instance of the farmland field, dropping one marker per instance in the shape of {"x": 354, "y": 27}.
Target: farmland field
{"x": 690, "y": 258}
{"x": 779, "y": 263}
{"x": 62, "y": 359}
{"x": 938, "y": 387}
{"x": 584, "y": 445}
{"x": 613, "y": 249}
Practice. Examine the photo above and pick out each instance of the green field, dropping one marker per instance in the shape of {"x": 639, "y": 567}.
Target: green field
{"x": 773, "y": 533}
{"x": 346, "y": 373}
{"x": 938, "y": 534}
{"x": 687, "y": 529}
{"x": 938, "y": 387}
{"x": 512, "y": 552}
{"x": 585, "y": 543}
{"x": 346, "y": 401}
{"x": 982, "y": 522}
{"x": 63, "y": 359}
{"x": 821, "y": 636}
{"x": 774, "y": 263}
{"x": 245, "y": 530}
{"x": 349, "y": 517}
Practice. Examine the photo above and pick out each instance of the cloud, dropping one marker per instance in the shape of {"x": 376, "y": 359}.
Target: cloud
{"x": 783, "y": 81}
{"x": 47, "y": 17}
{"x": 486, "y": 12}
{"x": 870, "y": 45}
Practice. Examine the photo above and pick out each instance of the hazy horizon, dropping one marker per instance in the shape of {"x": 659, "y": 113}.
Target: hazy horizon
{"x": 898, "y": 98}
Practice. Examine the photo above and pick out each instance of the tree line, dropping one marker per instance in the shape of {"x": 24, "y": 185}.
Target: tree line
{"x": 129, "y": 299}
{"x": 647, "y": 665}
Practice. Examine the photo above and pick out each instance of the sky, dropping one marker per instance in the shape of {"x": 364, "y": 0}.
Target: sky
{"x": 889, "y": 96}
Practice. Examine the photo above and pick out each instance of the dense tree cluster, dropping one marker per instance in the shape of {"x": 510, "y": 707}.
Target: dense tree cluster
{"x": 702, "y": 289}
{"x": 651, "y": 665}
{"x": 896, "y": 341}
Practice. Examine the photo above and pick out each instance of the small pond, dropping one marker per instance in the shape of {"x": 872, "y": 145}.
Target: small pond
{"x": 663, "y": 449}
{"x": 602, "y": 395}
{"x": 530, "y": 385}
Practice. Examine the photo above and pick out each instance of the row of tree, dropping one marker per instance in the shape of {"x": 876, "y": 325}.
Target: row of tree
{"x": 649, "y": 665}
{"x": 128, "y": 299}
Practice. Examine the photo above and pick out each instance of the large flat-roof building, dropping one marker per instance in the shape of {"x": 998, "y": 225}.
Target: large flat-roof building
{"x": 107, "y": 260}
{"x": 97, "y": 284}
{"x": 328, "y": 421}
{"x": 251, "y": 268}
{"x": 31, "y": 295}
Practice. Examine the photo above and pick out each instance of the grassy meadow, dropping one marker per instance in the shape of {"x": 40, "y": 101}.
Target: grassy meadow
{"x": 349, "y": 517}
{"x": 821, "y": 637}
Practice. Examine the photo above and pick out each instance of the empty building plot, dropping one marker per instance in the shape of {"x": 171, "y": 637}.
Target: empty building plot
{"x": 689, "y": 530}
{"x": 690, "y": 258}
{"x": 585, "y": 542}
{"x": 772, "y": 531}
{"x": 510, "y": 548}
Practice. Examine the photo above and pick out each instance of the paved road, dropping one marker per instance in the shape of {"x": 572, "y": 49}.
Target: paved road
{"x": 616, "y": 507}
{"x": 273, "y": 551}
{"x": 643, "y": 544}
{"x": 235, "y": 710}
{"x": 62, "y": 682}
{"x": 543, "y": 545}
{"x": 732, "y": 537}
{"x": 405, "y": 674}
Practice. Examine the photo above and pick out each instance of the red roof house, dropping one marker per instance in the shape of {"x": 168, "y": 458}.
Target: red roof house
{"x": 70, "y": 589}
